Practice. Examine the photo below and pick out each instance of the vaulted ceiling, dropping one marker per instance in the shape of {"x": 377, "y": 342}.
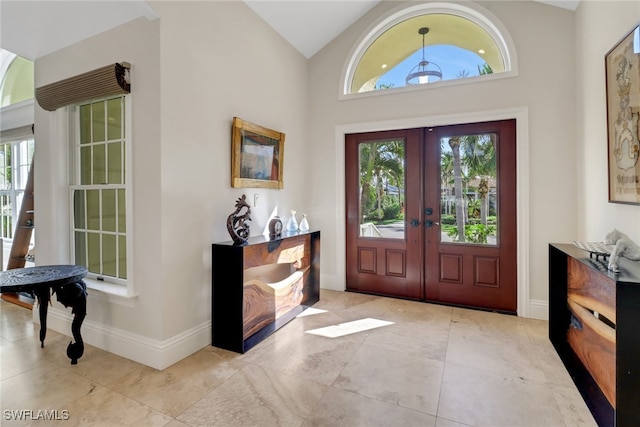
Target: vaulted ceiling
{"x": 33, "y": 29}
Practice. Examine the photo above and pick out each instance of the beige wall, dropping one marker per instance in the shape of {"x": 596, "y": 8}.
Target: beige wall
{"x": 137, "y": 43}
{"x": 599, "y": 26}
{"x": 194, "y": 69}
{"x": 219, "y": 60}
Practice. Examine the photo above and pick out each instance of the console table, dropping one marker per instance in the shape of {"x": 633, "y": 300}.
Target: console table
{"x": 594, "y": 325}
{"x": 260, "y": 286}
{"x": 63, "y": 280}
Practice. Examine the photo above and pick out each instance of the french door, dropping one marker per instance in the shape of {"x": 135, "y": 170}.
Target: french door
{"x": 431, "y": 214}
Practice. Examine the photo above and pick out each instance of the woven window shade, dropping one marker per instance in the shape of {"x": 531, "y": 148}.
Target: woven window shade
{"x": 110, "y": 80}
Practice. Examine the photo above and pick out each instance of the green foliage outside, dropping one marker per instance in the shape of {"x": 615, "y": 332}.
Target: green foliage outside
{"x": 381, "y": 170}
{"x": 390, "y": 210}
{"x": 382, "y": 86}
{"x": 475, "y": 233}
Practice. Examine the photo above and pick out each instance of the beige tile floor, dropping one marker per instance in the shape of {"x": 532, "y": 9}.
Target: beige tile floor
{"x": 433, "y": 366}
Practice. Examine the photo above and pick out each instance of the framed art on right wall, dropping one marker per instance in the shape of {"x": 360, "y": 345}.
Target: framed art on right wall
{"x": 622, "y": 70}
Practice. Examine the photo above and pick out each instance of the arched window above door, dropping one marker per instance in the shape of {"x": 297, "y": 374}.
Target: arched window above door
{"x": 430, "y": 43}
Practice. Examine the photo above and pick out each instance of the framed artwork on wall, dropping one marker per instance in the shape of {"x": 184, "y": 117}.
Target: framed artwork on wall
{"x": 257, "y": 156}
{"x": 622, "y": 70}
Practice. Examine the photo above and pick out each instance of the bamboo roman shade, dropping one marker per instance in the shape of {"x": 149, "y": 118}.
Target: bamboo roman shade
{"x": 110, "y": 80}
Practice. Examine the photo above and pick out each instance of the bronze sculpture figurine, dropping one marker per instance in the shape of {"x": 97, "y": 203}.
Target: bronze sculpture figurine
{"x": 236, "y": 223}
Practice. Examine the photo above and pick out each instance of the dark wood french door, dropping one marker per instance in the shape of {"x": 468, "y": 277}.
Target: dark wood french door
{"x": 431, "y": 214}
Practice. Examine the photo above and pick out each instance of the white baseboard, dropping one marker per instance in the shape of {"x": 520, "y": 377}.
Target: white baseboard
{"x": 330, "y": 281}
{"x": 150, "y": 352}
{"x": 538, "y": 309}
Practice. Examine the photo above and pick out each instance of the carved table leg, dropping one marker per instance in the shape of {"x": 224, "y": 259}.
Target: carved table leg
{"x": 74, "y": 296}
{"x": 44, "y": 295}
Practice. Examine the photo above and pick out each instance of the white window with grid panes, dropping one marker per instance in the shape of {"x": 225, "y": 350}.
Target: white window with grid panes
{"x": 98, "y": 191}
{"x": 15, "y": 162}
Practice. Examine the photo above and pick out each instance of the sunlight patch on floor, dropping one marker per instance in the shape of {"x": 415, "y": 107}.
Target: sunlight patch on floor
{"x": 311, "y": 311}
{"x": 335, "y": 331}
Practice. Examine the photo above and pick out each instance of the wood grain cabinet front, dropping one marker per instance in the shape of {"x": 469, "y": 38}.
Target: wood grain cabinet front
{"x": 594, "y": 316}
{"x": 259, "y": 287}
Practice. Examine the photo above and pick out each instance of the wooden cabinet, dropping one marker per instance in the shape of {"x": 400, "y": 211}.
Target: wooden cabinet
{"x": 259, "y": 287}
{"x": 594, "y": 325}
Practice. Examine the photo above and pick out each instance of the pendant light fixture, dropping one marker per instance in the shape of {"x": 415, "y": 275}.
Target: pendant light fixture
{"x": 420, "y": 73}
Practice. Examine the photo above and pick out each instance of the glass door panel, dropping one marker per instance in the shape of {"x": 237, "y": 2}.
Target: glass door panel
{"x": 469, "y": 189}
{"x": 382, "y": 189}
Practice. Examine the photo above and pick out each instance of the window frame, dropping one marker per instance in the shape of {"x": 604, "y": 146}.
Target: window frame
{"x": 474, "y": 13}
{"x": 109, "y": 284}
{"x": 19, "y": 149}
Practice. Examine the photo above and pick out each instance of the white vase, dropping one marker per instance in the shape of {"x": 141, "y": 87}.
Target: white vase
{"x": 304, "y": 224}
{"x": 292, "y": 223}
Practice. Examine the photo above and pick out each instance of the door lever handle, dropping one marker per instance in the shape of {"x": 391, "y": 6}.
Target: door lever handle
{"x": 415, "y": 223}
{"x": 428, "y": 223}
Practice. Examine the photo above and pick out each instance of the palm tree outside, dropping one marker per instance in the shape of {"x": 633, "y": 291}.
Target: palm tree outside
{"x": 474, "y": 181}
{"x": 381, "y": 182}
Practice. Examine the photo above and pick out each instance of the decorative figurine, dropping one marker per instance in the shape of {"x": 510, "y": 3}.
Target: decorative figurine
{"x": 236, "y": 223}
{"x": 304, "y": 224}
{"x": 292, "y": 224}
{"x": 623, "y": 246}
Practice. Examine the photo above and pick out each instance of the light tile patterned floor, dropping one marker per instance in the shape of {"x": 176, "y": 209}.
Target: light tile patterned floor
{"x": 434, "y": 366}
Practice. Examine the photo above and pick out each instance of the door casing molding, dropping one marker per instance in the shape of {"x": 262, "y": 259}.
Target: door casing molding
{"x": 520, "y": 114}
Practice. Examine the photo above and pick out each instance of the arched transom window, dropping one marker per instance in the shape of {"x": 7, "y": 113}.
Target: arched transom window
{"x": 426, "y": 44}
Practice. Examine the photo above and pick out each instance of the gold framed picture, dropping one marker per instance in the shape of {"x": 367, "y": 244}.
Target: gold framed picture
{"x": 257, "y": 156}
{"x": 622, "y": 69}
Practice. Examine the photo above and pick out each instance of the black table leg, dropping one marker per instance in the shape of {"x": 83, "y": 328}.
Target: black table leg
{"x": 74, "y": 295}
{"x": 76, "y": 350}
{"x": 44, "y": 296}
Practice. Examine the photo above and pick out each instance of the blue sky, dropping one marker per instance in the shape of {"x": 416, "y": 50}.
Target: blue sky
{"x": 451, "y": 60}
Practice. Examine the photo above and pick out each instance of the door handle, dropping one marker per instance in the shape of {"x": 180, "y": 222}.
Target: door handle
{"x": 428, "y": 223}
{"x": 415, "y": 223}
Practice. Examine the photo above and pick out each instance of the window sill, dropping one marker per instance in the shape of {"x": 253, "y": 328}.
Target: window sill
{"x": 111, "y": 293}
